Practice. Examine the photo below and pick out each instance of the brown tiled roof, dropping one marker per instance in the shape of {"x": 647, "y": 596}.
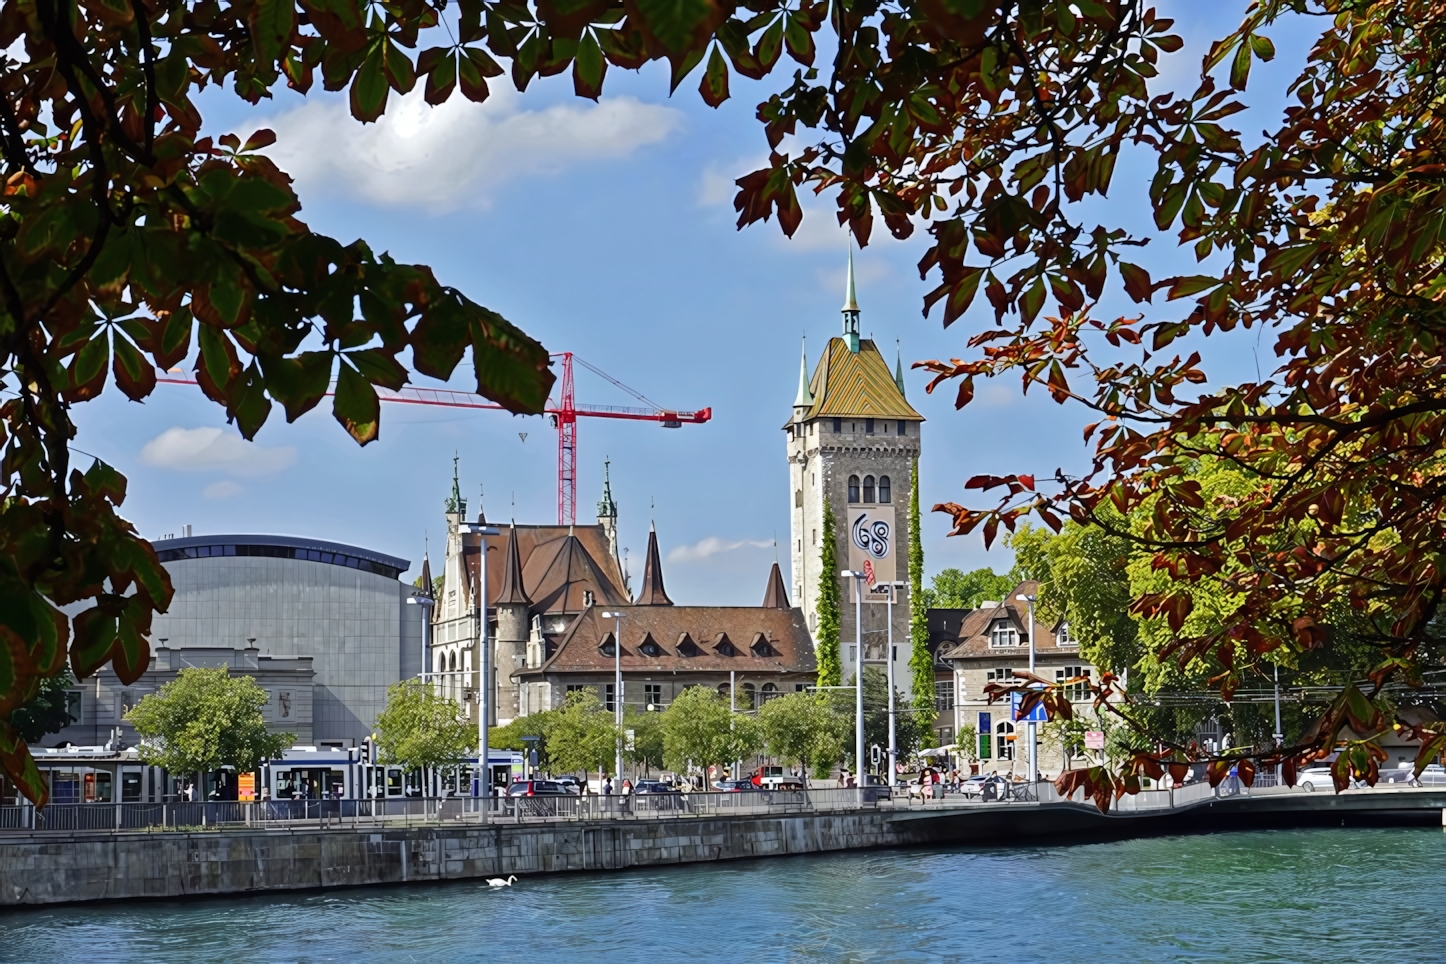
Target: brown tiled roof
{"x": 652, "y": 592}
{"x": 975, "y": 631}
{"x": 672, "y": 627}
{"x": 559, "y": 564}
{"x": 776, "y": 595}
{"x": 848, "y": 384}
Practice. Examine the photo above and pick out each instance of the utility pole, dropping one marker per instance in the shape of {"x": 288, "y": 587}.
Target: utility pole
{"x": 893, "y": 719}
{"x": 858, "y": 578}
{"x": 617, "y": 619}
{"x": 1033, "y": 733}
{"x": 484, "y": 680}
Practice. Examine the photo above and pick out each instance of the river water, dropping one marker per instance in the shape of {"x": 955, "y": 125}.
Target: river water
{"x": 1295, "y": 895}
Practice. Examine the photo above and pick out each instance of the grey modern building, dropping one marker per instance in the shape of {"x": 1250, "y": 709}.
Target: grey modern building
{"x": 271, "y": 600}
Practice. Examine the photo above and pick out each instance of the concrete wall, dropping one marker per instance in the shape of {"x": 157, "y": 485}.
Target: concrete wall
{"x": 58, "y": 867}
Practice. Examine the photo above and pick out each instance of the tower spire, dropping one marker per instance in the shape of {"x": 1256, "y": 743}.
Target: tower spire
{"x": 804, "y": 398}
{"x": 851, "y": 309}
{"x": 652, "y": 593}
{"x": 899, "y": 368}
{"x": 455, "y": 503}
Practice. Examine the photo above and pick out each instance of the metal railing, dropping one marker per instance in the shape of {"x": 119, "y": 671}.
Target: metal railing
{"x": 408, "y": 812}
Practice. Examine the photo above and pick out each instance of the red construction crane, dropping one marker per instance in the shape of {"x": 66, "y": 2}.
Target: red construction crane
{"x": 565, "y": 412}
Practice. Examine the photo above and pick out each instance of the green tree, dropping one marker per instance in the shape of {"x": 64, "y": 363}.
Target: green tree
{"x": 830, "y": 666}
{"x": 955, "y": 589}
{"x": 699, "y": 729}
{"x": 910, "y": 729}
{"x": 921, "y": 660}
{"x": 583, "y": 736}
{"x": 510, "y": 737}
{"x": 48, "y": 712}
{"x": 203, "y": 720}
{"x": 646, "y": 748}
{"x": 419, "y": 728}
{"x": 803, "y": 728}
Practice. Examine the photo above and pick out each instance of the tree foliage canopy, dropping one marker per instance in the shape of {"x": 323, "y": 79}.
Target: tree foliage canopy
{"x": 700, "y": 729}
{"x": 803, "y": 728}
{"x": 421, "y": 728}
{"x": 203, "y": 720}
{"x": 583, "y": 736}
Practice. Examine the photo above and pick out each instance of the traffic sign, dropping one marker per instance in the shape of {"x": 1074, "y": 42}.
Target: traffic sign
{"x": 1036, "y": 715}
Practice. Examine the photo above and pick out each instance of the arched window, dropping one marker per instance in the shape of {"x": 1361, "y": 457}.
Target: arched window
{"x": 1004, "y": 740}
{"x": 868, "y": 488}
{"x": 886, "y": 493}
{"x": 453, "y": 667}
{"x": 853, "y": 488}
{"x": 745, "y": 699}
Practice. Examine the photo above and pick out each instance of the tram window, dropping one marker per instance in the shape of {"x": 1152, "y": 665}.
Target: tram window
{"x": 394, "y": 781}
{"x": 414, "y": 783}
{"x": 130, "y": 786}
{"x": 285, "y": 783}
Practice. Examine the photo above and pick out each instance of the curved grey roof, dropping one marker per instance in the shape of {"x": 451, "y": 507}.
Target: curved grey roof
{"x": 301, "y": 547}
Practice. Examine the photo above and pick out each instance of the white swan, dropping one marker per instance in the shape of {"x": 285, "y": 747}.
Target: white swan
{"x": 499, "y": 882}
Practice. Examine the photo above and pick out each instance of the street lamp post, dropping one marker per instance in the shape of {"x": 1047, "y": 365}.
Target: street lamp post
{"x": 617, "y": 619}
{"x": 484, "y": 680}
{"x": 1033, "y": 733}
{"x": 427, "y": 605}
{"x": 1279, "y": 733}
{"x": 858, "y": 578}
{"x": 893, "y": 718}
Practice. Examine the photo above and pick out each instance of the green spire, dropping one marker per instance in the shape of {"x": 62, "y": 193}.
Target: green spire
{"x": 607, "y": 508}
{"x": 851, "y": 309}
{"x": 804, "y": 398}
{"x": 899, "y": 370}
{"x": 455, "y": 502}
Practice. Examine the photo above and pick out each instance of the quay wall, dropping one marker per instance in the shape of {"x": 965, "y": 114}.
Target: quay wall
{"x": 59, "y": 867}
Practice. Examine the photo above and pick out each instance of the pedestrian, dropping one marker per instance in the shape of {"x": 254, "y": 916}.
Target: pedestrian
{"x": 627, "y": 786}
{"x": 607, "y": 787}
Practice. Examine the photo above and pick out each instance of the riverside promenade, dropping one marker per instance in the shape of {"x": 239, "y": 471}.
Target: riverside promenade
{"x": 110, "y": 852}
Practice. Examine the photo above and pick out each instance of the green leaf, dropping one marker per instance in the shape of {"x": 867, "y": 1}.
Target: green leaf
{"x": 379, "y": 367}
{"x": 399, "y": 68}
{"x": 1240, "y": 67}
{"x": 1184, "y": 287}
{"x": 1263, "y": 48}
{"x": 589, "y": 68}
{"x": 714, "y": 85}
{"x": 770, "y": 45}
{"x": 675, "y": 24}
{"x": 133, "y": 374}
{"x": 369, "y": 89}
{"x": 298, "y": 383}
{"x": 272, "y": 23}
{"x": 356, "y": 406}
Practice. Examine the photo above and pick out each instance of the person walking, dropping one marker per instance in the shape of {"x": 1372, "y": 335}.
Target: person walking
{"x": 607, "y": 787}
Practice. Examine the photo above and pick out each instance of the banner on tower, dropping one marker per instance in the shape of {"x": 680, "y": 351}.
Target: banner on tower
{"x": 871, "y": 540}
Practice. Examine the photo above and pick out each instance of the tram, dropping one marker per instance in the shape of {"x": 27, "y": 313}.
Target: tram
{"x": 326, "y": 773}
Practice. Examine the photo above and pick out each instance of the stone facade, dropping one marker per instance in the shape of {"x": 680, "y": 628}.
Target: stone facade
{"x": 853, "y": 442}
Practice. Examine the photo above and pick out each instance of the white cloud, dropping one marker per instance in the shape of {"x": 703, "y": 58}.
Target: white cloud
{"x": 225, "y": 489}
{"x": 711, "y": 546}
{"x": 214, "y": 449}
{"x": 718, "y": 184}
{"x": 457, "y": 153}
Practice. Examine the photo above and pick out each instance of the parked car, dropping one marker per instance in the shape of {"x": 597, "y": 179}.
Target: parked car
{"x": 1319, "y": 778}
{"x": 1434, "y": 775}
{"x": 538, "y": 788}
{"x": 571, "y": 785}
{"x": 973, "y": 788}
{"x": 652, "y": 786}
{"x": 733, "y": 786}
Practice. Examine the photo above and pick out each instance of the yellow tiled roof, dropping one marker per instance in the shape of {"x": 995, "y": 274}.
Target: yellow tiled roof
{"x": 858, "y": 385}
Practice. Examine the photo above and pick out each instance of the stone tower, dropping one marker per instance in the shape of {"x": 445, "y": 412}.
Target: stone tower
{"x": 853, "y": 440}
{"x": 513, "y": 628}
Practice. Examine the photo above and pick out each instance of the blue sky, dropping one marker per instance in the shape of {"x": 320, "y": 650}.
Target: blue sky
{"x": 606, "y": 230}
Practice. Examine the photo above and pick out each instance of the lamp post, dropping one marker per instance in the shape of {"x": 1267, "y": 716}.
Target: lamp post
{"x": 617, "y": 619}
{"x": 893, "y": 587}
{"x": 1279, "y": 733}
{"x": 426, "y": 605}
{"x": 858, "y": 578}
{"x": 1033, "y": 734}
{"x": 484, "y": 680}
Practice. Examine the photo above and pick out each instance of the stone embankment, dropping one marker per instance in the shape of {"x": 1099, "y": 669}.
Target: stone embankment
{"x": 55, "y": 866}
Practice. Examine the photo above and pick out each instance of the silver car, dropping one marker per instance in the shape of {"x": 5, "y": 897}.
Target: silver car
{"x": 1434, "y": 775}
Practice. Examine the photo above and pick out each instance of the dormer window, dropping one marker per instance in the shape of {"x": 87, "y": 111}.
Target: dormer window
{"x": 1063, "y": 638}
{"x": 686, "y": 646}
{"x": 762, "y": 647}
{"x": 650, "y": 647}
{"x": 853, "y": 488}
{"x": 1003, "y": 633}
{"x": 723, "y": 646}
{"x": 609, "y": 645}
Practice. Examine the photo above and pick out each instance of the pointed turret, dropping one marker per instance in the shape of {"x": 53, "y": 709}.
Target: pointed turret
{"x": 481, "y": 516}
{"x": 851, "y": 310}
{"x": 607, "y": 512}
{"x": 426, "y": 577}
{"x": 652, "y": 593}
{"x": 804, "y": 398}
{"x": 899, "y": 372}
{"x": 511, "y": 591}
{"x": 456, "y": 505}
{"x": 776, "y": 595}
